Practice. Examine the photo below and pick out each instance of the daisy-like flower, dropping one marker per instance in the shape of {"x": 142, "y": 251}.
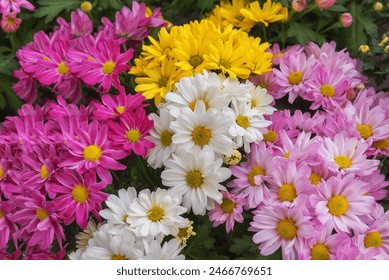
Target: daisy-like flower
{"x": 229, "y": 211}
{"x": 261, "y": 101}
{"x": 26, "y": 87}
{"x": 161, "y": 135}
{"x": 345, "y": 155}
{"x": 130, "y": 134}
{"x": 249, "y": 125}
{"x": 118, "y": 209}
{"x": 158, "y": 212}
{"x": 191, "y": 89}
{"x": 78, "y": 196}
{"x": 170, "y": 250}
{"x": 185, "y": 233}
{"x": 201, "y": 128}
{"x": 6, "y": 6}
{"x": 196, "y": 176}
{"x": 91, "y": 151}
{"x": 83, "y": 237}
{"x": 105, "y": 246}
{"x": 270, "y": 12}
{"x": 341, "y": 203}
{"x": 279, "y": 226}
{"x": 253, "y": 175}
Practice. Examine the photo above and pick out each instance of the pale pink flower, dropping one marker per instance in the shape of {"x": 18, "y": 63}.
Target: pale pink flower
{"x": 10, "y": 23}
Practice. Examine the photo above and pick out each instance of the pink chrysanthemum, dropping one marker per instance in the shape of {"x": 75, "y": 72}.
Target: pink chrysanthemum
{"x": 229, "y": 211}
{"x": 10, "y": 23}
{"x": 376, "y": 185}
{"x": 7, "y": 6}
{"x": 345, "y": 155}
{"x": 36, "y": 253}
{"x": 130, "y": 134}
{"x": 341, "y": 203}
{"x": 91, "y": 151}
{"x": 39, "y": 221}
{"x": 279, "y": 226}
{"x": 78, "y": 196}
{"x": 279, "y": 121}
{"x": 252, "y": 176}
{"x": 8, "y": 228}
{"x": 26, "y": 87}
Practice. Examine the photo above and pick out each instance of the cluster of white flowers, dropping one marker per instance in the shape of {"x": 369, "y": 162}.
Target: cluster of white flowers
{"x": 207, "y": 118}
{"x": 136, "y": 227}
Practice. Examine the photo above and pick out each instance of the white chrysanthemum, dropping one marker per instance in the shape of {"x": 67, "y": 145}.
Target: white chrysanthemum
{"x": 161, "y": 136}
{"x": 196, "y": 176}
{"x": 249, "y": 126}
{"x": 155, "y": 213}
{"x": 202, "y": 128}
{"x": 169, "y": 251}
{"x": 200, "y": 87}
{"x": 234, "y": 89}
{"x": 106, "y": 246}
{"x": 118, "y": 209}
{"x": 261, "y": 100}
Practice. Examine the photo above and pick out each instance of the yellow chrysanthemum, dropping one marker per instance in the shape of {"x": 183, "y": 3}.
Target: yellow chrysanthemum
{"x": 229, "y": 13}
{"x": 161, "y": 49}
{"x": 270, "y": 12}
{"x": 158, "y": 81}
{"x": 258, "y": 60}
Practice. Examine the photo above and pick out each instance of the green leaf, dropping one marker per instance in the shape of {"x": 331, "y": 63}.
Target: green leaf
{"x": 6, "y": 90}
{"x": 50, "y": 9}
{"x": 116, "y": 4}
{"x": 304, "y": 34}
{"x": 200, "y": 245}
{"x": 337, "y": 8}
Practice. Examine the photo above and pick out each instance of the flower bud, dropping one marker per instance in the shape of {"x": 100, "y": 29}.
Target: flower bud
{"x": 86, "y": 6}
{"x": 10, "y": 23}
{"x": 346, "y": 19}
{"x": 325, "y": 4}
{"x": 378, "y": 6}
{"x": 234, "y": 159}
{"x": 299, "y": 5}
{"x": 364, "y": 48}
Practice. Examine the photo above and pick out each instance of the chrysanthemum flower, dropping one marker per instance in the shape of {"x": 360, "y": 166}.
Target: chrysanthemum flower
{"x": 10, "y": 23}
{"x": 270, "y": 12}
{"x": 8, "y": 227}
{"x": 252, "y": 176}
{"x": 7, "y": 6}
{"x": 118, "y": 209}
{"x": 346, "y": 155}
{"x": 170, "y": 250}
{"x": 77, "y": 196}
{"x": 342, "y": 203}
{"x": 201, "y": 128}
{"x": 26, "y": 87}
{"x": 196, "y": 176}
{"x": 158, "y": 212}
{"x": 161, "y": 135}
{"x": 278, "y": 226}
{"x": 229, "y": 211}
{"x": 130, "y": 134}
{"x": 262, "y": 101}
{"x": 91, "y": 151}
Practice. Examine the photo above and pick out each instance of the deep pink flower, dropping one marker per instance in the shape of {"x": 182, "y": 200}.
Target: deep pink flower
{"x": 78, "y": 196}
{"x": 37, "y": 253}
{"x": 229, "y": 211}
{"x": 26, "y": 87}
{"x": 279, "y": 121}
{"x": 38, "y": 221}
{"x": 130, "y": 134}
{"x": 8, "y": 227}
{"x": 91, "y": 151}
{"x": 132, "y": 24}
{"x": 7, "y": 6}
{"x": 10, "y": 23}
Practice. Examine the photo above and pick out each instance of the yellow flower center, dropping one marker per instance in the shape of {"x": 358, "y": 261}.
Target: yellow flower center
{"x": 162, "y": 82}
{"x": 255, "y": 171}
{"x": 224, "y": 63}
{"x": 327, "y": 90}
{"x": 343, "y": 162}
{"x": 314, "y": 178}
{"x": 271, "y": 136}
{"x": 364, "y": 130}
{"x": 287, "y": 155}
{"x": 253, "y": 103}
{"x": 287, "y": 192}
{"x": 133, "y": 135}
{"x": 234, "y": 159}
{"x": 382, "y": 145}
{"x": 63, "y": 68}
{"x": 337, "y": 205}
{"x": 44, "y": 172}
{"x": 194, "y": 179}
{"x": 1, "y": 173}
{"x": 80, "y": 194}
{"x": 295, "y": 78}
{"x": 10, "y": 21}
{"x": 192, "y": 105}
{"x": 120, "y": 109}
{"x": 166, "y": 138}
{"x": 1, "y": 214}
{"x": 319, "y": 252}
{"x": 86, "y": 6}
{"x": 228, "y": 205}
{"x": 195, "y": 61}
{"x": 118, "y": 257}
{"x": 108, "y": 67}
{"x": 243, "y": 121}
{"x": 201, "y": 136}
{"x": 41, "y": 214}
{"x": 373, "y": 239}
{"x": 287, "y": 229}
{"x": 92, "y": 153}
{"x": 156, "y": 214}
